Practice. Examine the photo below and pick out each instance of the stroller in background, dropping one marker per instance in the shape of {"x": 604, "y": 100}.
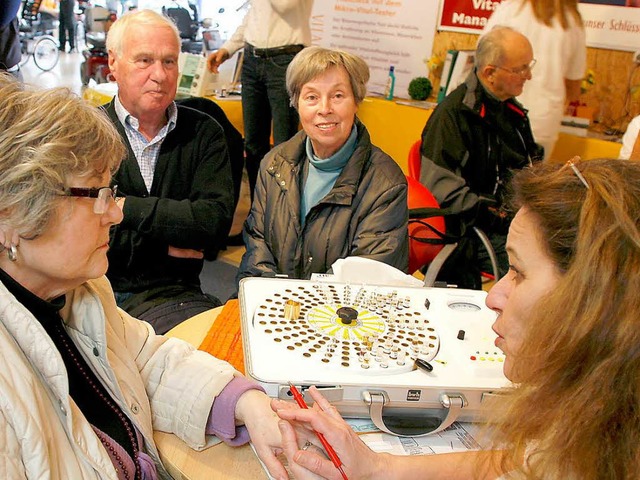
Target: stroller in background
{"x": 97, "y": 21}
{"x": 36, "y": 38}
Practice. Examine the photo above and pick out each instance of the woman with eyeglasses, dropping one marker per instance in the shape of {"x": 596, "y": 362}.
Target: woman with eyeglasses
{"x": 83, "y": 385}
{"x": 567, "y": 322}
{"x": 554, "y": 28}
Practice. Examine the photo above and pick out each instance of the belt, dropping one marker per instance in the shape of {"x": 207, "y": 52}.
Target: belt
{"x": 272, "y": 52}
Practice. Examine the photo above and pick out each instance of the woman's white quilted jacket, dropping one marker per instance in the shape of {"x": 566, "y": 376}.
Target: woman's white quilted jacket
{"x": 163, "y": 384}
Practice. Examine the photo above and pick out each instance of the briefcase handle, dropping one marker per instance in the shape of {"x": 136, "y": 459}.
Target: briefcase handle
{"x": 452, "y": 403}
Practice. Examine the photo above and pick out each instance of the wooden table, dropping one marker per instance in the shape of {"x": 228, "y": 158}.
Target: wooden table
{"x": 220, "y": 461}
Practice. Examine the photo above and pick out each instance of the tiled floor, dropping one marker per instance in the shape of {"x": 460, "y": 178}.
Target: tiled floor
{"x": 65, "y": 74}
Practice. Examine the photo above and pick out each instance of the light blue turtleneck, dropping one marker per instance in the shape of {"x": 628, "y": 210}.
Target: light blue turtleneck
{"x": 323, "y": 173}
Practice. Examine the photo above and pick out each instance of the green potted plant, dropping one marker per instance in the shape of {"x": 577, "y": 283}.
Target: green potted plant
{"x": 420, "y": 88}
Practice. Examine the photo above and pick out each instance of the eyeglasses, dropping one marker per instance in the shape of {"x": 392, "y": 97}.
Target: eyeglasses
{"x": 103, "y": 196}
{"x": 522, "y": 71}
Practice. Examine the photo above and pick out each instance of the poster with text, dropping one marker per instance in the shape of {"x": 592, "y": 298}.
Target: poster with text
{"x": 383, "y": 33}
{"x": 613, "y": 24}
{"x": 466, "y": 16}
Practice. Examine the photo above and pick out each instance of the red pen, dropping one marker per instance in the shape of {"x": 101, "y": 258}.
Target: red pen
{"x": 297, "y": 396}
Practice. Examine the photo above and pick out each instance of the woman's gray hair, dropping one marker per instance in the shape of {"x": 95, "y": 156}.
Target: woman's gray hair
{"x": 491, "y": 46}
{"x": 133, "y": 20}
{"x": 46, "y": 137}
{"x": 312, "y": 62}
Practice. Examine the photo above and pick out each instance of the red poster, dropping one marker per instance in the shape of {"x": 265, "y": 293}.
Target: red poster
{"x": 469, "y": 16}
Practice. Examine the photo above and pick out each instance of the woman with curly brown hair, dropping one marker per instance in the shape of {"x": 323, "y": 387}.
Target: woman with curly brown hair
{"x": 567, "y": 322}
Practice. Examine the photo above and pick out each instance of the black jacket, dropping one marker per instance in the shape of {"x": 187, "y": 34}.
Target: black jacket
{"x": 9, "y": 37}
{"x": 470, "y": 146}
{"x": 365, "y": 213}
{"x": 190, "y": 205}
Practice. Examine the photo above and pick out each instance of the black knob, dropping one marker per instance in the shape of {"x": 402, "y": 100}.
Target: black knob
{"x": 347, "y": 314}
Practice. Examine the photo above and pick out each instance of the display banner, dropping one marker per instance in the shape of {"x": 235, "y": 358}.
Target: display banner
{"x": 383, "y": 33}
{"x": 612, "y": 27}
{"x": 612, "y": 24}
{"x": 466, "y": 16}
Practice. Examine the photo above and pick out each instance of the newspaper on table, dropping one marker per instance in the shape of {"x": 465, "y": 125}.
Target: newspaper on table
{"x": 458, "y": 437}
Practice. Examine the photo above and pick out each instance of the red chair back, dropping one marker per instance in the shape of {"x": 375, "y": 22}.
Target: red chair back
{"x": 420, "y": 253}
{"x": 415, "y": 160}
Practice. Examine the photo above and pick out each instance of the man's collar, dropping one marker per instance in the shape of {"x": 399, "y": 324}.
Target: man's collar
{"x": 121, "y": 112}
{"x": 488, "y": 91}
{"x": 479, "y": 98}
{"x": 127, "y": 118}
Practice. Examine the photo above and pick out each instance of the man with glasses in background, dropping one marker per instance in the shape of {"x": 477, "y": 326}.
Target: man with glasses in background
{"x": 176, "y": 186}
{"x": 471, "y": 144}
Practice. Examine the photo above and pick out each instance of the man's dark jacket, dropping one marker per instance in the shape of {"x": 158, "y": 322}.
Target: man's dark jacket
{"x": 190, "y": 205}
{"x": 10, "y": 53}
{"x": 471, "y": 144}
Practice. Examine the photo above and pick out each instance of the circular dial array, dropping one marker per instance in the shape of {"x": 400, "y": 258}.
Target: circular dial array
{"x": 368, "y": 329}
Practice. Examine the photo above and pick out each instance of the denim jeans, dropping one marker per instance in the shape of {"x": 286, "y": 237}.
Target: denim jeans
{"x": 264, "y": 98}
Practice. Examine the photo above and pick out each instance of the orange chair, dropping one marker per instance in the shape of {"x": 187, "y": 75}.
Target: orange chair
{"x": 415, "y": 160}
{"x": 429, "y": 244}
{"x": 428, "y": 240}
{"x": 424, "y": 251}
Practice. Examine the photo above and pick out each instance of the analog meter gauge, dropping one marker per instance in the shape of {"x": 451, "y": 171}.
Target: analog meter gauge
{"x": 462, "y": 306}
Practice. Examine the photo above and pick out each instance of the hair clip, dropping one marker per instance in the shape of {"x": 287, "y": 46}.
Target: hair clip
{"x": 577, "y": 172}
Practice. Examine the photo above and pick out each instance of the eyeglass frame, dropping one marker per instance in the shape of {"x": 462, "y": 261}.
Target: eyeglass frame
{"x": 522, "y": 71}
{"x": 101, "y": 194}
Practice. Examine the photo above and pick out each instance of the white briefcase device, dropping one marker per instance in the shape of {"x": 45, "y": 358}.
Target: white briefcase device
{"x": 413, "y": 359}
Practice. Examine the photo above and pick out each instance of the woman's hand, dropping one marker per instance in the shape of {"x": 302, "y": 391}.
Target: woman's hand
{"x": 254, "y": 412}
{"x": 359, "y": 462}
{"x": 303, "y": 469}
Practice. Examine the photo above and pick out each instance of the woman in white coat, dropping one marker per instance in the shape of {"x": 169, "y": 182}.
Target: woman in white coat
{"x": 554, "y": 28}
{"x": 82, "y": 384}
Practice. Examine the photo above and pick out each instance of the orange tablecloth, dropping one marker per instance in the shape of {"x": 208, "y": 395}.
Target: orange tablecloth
{"x": 224, "y": 339}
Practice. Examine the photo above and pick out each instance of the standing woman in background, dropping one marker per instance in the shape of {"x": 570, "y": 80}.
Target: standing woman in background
{"x": 271, "y": 33}
{"x": 66, "y": 27}
{"x": 554, "y": 28}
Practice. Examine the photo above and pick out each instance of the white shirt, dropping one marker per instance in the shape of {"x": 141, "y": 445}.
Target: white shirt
{"x": 629, "y": 138}
{"x": 273, "y": 23}
{"x": 560, "y": 54}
